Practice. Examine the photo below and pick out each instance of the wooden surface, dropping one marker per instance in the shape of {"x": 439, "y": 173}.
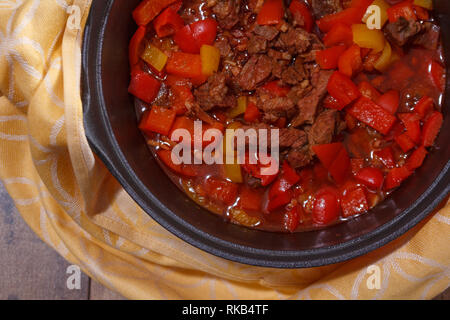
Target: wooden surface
{"x": 29, "y": 269}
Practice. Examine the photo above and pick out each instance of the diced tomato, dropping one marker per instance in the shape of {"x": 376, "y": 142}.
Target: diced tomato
{"x": 185, "y": 65}
{"x": 275, "y": 89}
{"x": 271, "y": 13}
{"x": 158, "y": 119}
{"x": 279, "y": 201}
{"x": 424, "y": 106}
{"x": 386, "y": 156}
{"x": 390, "y": 101}
{"x": 184, "y": 38}
{"x": 184, "y": 169}
{"x": 191, "y": 37}
{"x": 168, "y": 22}
{"x": 368, "y": 90}
{"x": 354, "y": 202}
{"x": 437, "y": 73}
{"x": 292, "y": 218}
{"x": 367, "y": 111}
{"x": 328, "y": 58}
{"x": 371, "y": 177}
{"x": 341, "y": 33}
{"x": 350, "y": 61}
{"x": 416, "y": 158}
{"x": 252, "y": 113}
{"x": 135, "y": 46}
{"x": 326, "y": 206}
{"x": 302, "y": 15}
{"x": 431, "y": 128}
{"x": 149, "y": 9}
{"x": 342, "y": 89}
{"x": 411, "y": 121}
{"x": 405, "y": 142}
{"x": 395, "y": 177}
{"x": 403, "y": 9}
{"x": 144, "y": 86}
{"x": 348, "y": 16}
{"x": 221, "y": 190}
{"x": 250, "y": 199}
{"x": 356, "y": 164}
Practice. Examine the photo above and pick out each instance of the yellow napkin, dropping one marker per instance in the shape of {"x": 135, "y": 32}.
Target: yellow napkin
{"x": 72, "y": 202}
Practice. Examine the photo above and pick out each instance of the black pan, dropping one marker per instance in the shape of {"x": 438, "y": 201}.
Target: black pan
{"x": 111, "y": 128}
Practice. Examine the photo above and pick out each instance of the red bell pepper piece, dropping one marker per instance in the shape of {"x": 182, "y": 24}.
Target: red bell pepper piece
{"x": 396, "y": 130}
{"x": 271, "y": 13}
{"x": 135, "y": 46}
{"x": 185, "y": 65}
{"x": 222, "y": 191}
{"x": 395, "y": 177}
{"x": 183, "y": 169}
{"x": 386, "y": 156}
{"x": 144, "y": 86}
{"x": 356, "y": 164}
{"x": 421, "y": 13}
{"x": 341, "y": 33}
{"x": 348, "y": 16}
{"x": 431, "y": 128}
{"x": 403, "y": 9}
{"x": 159, "y": 120}
{"x": 326, "y": 206}
{"x": 437, "y": 73}
{"x": 390, "y": 101}
{"x": 360, "y": 4}
{"x": 368, "y": 90}
{"x": 287, "y": 179}
{"x": 350, "y": 61}
{"x": 416, "y": 158}
{"x": 368, "y": 112}
{"x": 252, "y": 113}
{"x": 149, "y": 9}
{"x": 334, "y": 158}
{"x": 279, "y": 201}
{"x": 180, "y": 95}
{"x": 250, "y": 199}
{"x": 411, "y": 122}
{"x": 168, "y": 22}
{"x": 292, "y": 218}
{"x": 328, "y": 58}
{"x": 354, "y": 202}
{"x": 302, "y": 14}
{"x": 371, "y": 177}
{"x": 424, "y": 106}
{"x": 405, "y": 142}
{"x": 191, "y": 37}
{"x": 342, "y": 89}
{"x": 275, "y": 89}
{"x": 184, "y": 38}
{"x": 331, "y": 103}
{"x": 255, "y": 170}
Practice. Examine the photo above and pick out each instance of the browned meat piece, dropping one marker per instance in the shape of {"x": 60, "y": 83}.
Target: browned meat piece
{"x": 267, "y": 32}
{"x": 323, "y": 7}
{"x": 300, "y": 91}
{"x": 323, "y": 129}
{"x": 255, "y": 5}
{"x": 278, "y": 107}
{"x": 226, "y": 11}
{"x": 214, "y": 93}
{"x": 256, "y": 70}
{"x": 429, "y": 37}
{"x": 291, "y": 136}
{"x": 279, "y": 55}
{"x": 295, "y": 40}
{"x": 256, "y": 44}
{"x": 403, "y": 31}
{"x": 294, "y": 74}
{"x": 308, "y": 105}
{"x": 223, "y": 44}
{"x": 299, "y": 156}
{"x": 196, "y": 112}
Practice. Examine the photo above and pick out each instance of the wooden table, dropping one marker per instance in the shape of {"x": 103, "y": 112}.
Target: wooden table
{"x": 29, "y": 269}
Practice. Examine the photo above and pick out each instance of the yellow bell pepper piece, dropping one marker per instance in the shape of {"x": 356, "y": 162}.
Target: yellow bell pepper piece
{"x": 240, "y": 108}
{"x": 232, "y": 171}
{"x": 366, "y": 38}
{"x": 210, "y": 59}
{"x": 155, "y": 57}
{"x": 384, "y": 61}
{"x": 383, "y": 10}
{"x": 427, "y": 4}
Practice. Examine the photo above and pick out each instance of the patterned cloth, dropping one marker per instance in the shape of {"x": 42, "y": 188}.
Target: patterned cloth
{"x": 72, "y": 202}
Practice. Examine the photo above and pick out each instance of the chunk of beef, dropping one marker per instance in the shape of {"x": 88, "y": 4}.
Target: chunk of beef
{"x": 255, "y": 5}
{"x": 299, "y": 156}
{"x": 299, "y": 91}
{"x": 324, "y": 128}
{"x": 322, "y": 8}
{"x": 214, "y": 93}
{"x": 256, "y": 44}
{"x": 291, "y": 136}
{"x": 276, "y": 108}
{"x": 295, "y": 40}
{"x": 226, "y": 11}
{"x": 429, "y": 37}
{"x": 279, "y": 55}
{"x": 295, "y": 74}
{"x": 222, "y": 43}
{"x": 267, "y": 32}
{"x": 195, "y": 111}
{"x": 308, "y": 105}
{"x": 256, "y": 70}
{"x": 403, "y": 31}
